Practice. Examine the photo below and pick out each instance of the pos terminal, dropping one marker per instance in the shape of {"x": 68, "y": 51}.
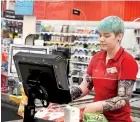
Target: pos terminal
{"x": 44, "y": 77}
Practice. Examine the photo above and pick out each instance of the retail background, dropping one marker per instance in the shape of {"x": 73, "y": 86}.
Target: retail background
{"x": 55, "y": 24}
{"x": 93, "y": 10}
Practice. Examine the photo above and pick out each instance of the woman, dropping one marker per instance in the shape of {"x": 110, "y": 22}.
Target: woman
{"x": 112, "y": 72}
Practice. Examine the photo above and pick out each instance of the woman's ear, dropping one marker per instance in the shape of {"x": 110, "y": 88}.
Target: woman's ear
{"x": 120, "y": 36}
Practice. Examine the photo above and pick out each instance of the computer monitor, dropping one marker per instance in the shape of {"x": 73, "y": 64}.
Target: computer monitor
{"x": 43, "y": 71}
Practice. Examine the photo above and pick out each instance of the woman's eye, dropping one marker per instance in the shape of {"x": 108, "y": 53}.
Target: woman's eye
{"x": 107, "y": 36}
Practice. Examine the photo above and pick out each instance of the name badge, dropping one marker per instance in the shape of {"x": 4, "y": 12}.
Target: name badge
{"x": 111, "y": 70}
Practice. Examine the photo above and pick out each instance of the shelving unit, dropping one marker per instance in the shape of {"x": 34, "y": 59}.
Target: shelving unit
{"x": 12, "y": 20}
{"x": 82, "y": 39}
{"x": 82, "y": 53}
{"x": 68, "y": 34}
{"x": 136, "y": 88}
{"x": 4, "y": 68}
{"x": 86, "y": 63}
{"x": 14, "y": 26}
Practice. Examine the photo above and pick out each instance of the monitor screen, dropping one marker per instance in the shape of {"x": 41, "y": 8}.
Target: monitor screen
{"x": 47, "y": 71}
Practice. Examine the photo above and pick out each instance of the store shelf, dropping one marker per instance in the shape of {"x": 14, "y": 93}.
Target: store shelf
{"x": 83, "y": 49}
{"x": 76, "y": 62}
{"x": 12, "y": 20}
{"x": 85, "y": 56}
{"x": 3, "y": 46}
{"x": 78, "y": 69}
{"x": 80, "y": 48}
{"x": 68, "y": 34}
{"x": 59, "y": 42}
{"x": 87, "y": 42}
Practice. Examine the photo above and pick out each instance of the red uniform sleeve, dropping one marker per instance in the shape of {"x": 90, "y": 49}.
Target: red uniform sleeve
{"x": 90, "y": 67}
{"x": 129, "y": 69}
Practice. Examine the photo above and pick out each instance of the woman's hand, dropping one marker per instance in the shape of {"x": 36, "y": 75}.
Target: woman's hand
{"x": 96, "y": 107}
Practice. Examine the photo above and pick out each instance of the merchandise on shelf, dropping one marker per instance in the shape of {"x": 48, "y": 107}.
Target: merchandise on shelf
{"x": 137, "y": 32}
{"x": 84, "y": 48}
{"x": 5, "y": 42}
{"x": 58, "y": 28}
{"x": 4, "y": 70}
{"x": 137, "y": 46}
{"x": 4, "y": 65}
{"x": 82, "y": 40}
{"x": 136, "y": 88}
{"x": 59, "y": 34}
{"x": 137, "y": 49}
{"x": 9, "y": 30}
{"x": 14, "y": 27}
{"x": 4, "y": 87}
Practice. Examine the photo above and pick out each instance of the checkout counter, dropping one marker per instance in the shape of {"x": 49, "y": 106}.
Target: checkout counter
{"x": 31, "y": 71}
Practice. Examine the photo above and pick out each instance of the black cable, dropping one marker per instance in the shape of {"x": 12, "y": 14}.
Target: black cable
{"x": 44, "y": 95}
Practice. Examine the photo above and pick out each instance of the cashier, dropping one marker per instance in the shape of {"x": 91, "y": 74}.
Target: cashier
{"x": 111, "y": 72}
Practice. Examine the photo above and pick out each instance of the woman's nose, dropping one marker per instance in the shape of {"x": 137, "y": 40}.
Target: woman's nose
{"x": 101, "y": 39}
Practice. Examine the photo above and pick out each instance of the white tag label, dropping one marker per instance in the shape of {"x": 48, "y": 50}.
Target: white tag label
{"x": 111, "y": 70}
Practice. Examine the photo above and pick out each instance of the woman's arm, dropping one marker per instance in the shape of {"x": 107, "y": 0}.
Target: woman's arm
{"x": 125, "y": 88}
{"x": 83, "y": 89}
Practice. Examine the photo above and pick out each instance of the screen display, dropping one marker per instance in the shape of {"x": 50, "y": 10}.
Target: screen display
{"x": 43, "y": 75}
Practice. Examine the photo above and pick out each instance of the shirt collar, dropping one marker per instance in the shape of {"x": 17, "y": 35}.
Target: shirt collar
{"x": 117, "y": 55}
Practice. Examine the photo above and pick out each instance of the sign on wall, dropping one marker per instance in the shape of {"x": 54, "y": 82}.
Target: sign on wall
{"x": 24, "y": 7}
{"x": 40, "y": 9}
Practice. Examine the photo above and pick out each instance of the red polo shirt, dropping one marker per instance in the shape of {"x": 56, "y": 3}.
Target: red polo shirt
{"x": 106, "y": 82}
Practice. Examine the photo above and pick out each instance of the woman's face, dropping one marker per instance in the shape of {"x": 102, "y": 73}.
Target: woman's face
{"x": 109, "y": 41}
{"x": 121, "y": 91}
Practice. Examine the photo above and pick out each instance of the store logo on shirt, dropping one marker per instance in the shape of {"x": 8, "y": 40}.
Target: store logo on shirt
{"x": 96, "y": 70}
{"x": 111, "y": 70}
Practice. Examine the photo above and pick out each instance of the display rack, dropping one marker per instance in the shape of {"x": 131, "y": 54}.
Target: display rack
{"x": 68, "y": 34}
{"x": 137, "y": 50}
{"x": 14, "y": 26}
{"x": 4, "y": 68}
{"x": 81, "y": 38}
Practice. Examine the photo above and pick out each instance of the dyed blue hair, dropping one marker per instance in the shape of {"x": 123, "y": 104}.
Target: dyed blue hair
{"x": 111, "y": 24}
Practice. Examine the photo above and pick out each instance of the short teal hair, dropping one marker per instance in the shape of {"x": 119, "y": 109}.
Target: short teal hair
{"x": 111, "y": 24}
